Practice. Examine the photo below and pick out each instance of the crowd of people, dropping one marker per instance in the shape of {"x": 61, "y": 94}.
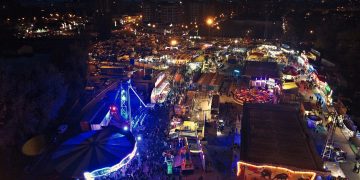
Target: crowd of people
{"x": 149, "y": 162}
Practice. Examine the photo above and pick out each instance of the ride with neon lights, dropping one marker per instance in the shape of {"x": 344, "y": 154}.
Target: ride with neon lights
{"x": 125, "y": 112}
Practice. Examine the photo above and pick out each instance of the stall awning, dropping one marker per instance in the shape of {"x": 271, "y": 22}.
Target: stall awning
{"x": 289, "y": 85}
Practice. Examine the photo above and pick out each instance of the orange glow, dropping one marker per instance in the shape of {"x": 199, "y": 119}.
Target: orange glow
{"x": 209, "y": 21}
{"x": 173, "y": 42}
{"x": 308, "y": 173}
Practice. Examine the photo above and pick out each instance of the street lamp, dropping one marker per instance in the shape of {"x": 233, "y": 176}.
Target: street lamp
{"x": 173, "y": 42}
{"x": 209, "y": 23}
{"x": 197, "y": 30}
{"x": 236, "y": 43}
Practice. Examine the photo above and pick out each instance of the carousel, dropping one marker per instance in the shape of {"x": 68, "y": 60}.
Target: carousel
{"x": 94, "y": 153}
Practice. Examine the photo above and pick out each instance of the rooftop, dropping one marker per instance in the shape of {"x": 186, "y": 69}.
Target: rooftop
{"x": 255, "y": 69}
{"x": 274, "y": 134}
{"x": 210, "y": 79}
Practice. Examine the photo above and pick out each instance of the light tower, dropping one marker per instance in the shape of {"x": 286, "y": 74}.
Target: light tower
{"x": 124, "y": 102}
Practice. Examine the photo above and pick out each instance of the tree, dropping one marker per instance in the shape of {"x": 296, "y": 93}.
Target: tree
{"x": 31, "y": 96}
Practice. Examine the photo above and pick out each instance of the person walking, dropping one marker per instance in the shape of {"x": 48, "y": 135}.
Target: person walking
{"x": 356, "y": 168}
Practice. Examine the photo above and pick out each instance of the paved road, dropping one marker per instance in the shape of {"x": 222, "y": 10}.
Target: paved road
{"x": 348, "y": 166}
{"x": 340, "y": 139}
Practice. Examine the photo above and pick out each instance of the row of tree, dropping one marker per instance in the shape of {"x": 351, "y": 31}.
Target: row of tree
{"x": 34, "y": 91}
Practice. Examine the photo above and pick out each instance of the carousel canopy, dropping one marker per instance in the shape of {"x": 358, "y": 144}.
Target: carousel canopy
{"x": 93, "y": 150}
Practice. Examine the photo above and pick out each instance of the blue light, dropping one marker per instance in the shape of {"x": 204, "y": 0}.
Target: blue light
{"x": 107, "y": 170}
{"x": 123, "y": 95}
{"x": 126, "y": 128}
{"x": 139, "y": 138}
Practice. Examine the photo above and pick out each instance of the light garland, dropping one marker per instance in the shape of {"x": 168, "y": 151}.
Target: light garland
{"x": 239, "y": 163}
{"x": 107, "y": 170}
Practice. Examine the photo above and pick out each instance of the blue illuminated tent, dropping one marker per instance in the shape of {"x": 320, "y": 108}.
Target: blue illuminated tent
{"x": 93, "y": 150}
